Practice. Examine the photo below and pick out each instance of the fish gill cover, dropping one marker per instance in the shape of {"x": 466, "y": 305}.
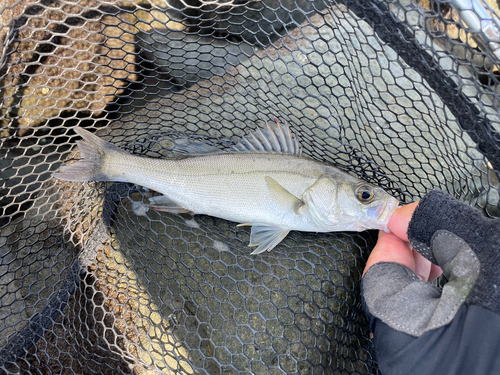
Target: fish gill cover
{"x": 402, "y": 94}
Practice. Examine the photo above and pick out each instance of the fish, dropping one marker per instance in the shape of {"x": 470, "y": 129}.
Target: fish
{"x": 263, "y": 181}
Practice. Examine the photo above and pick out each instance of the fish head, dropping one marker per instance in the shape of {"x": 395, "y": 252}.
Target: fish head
{"x": 348, "y": 206}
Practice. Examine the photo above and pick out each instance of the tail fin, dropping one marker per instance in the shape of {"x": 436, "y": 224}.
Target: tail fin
{"x": 91, "y": 167}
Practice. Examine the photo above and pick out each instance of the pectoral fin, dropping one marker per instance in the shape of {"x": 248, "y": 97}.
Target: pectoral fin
{"x": 162, "y": 203}
{"x": 283, "y": 197}
{"x": 266, "y": 237}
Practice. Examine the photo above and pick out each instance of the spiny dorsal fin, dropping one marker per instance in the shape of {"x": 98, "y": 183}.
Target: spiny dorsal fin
{"x": 277, "y": 138}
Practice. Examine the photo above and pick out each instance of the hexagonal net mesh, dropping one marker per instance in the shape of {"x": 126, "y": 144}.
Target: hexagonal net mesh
{"x": 400, "y": 93}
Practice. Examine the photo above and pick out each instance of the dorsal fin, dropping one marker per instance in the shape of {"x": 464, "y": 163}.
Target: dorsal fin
{"x": 277, "y": 138}
{"x": 187, "y": 147}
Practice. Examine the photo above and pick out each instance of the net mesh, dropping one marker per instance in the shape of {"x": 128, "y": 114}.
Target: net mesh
{"x": 400, "y": 93}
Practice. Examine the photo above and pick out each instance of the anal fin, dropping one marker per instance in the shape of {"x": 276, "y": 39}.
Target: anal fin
{"x": 266, "y": 237}
{"x": 162, "y": 203}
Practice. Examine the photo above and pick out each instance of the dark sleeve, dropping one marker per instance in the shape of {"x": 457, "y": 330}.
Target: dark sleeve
{"x": 469, "y": 345}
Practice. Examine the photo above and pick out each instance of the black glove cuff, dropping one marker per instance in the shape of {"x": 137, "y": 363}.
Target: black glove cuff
{"x": 440, "y": 211}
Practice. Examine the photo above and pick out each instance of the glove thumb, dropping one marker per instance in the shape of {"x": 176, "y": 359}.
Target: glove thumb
{"x": 394, "y": 294}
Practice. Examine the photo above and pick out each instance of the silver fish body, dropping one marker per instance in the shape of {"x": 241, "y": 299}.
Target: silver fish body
{"x": 266, "y": 183}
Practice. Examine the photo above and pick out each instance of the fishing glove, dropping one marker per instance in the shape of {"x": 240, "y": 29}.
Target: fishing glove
{"x": 421, "y": 329}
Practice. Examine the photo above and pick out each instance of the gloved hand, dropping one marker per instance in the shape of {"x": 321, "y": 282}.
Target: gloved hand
{"x": 420, "y": 329}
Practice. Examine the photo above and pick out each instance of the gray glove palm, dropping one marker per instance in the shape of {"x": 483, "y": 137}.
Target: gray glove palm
{"x": 394, "y": 294}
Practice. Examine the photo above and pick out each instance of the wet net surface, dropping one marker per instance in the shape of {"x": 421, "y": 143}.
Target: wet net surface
{"x": 91, "y": 281}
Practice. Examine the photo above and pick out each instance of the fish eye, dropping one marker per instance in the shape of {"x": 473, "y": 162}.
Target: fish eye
{"x": 364, "y": 194}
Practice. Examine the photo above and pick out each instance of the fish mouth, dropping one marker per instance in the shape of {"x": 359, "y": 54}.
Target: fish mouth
{"x": 383, "y": 212}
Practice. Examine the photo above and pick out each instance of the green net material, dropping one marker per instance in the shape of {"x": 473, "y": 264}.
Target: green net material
{"x": 92, "y": 281}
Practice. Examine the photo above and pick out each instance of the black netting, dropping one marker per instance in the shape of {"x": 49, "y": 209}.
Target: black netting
{"x": 400, "y": 93}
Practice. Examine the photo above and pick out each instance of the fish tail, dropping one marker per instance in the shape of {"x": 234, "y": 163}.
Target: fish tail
{"x": 95, "y": 153}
